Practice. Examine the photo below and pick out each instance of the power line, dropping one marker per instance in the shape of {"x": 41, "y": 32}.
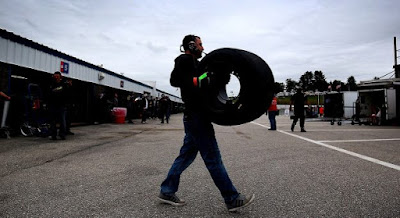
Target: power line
{"x": 387, "y": 74}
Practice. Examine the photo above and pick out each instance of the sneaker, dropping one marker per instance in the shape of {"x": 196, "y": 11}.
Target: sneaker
{"x": 292, "y": 128}
{"x": 303, "y": 130}
{"x": 240, "y": 202}
{"x": 172, "y": 200}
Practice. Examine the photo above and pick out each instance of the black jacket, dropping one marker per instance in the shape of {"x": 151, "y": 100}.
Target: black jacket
{"x": 182, "y": 76}
{"x": 57, "y": 95}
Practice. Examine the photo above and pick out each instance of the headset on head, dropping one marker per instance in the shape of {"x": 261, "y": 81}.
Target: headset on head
{"x": 191, "y": 45}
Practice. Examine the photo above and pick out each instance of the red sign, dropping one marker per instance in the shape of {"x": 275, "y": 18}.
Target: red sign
{"x": 64, "y": 67}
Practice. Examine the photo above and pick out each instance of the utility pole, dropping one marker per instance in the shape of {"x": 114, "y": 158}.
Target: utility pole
{"x": 396, "y": 66}
{"x": 397, "y": 87}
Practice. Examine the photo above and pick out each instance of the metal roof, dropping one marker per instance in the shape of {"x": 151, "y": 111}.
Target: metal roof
{"x": 21, "y": 51}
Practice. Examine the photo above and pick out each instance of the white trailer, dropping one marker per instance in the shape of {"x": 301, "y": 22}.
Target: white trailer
{"x": 378, "y": 95}
{"x": 349, "y": 99}
{"x": 339, "y": 105}
{"x": 372, "y": 100}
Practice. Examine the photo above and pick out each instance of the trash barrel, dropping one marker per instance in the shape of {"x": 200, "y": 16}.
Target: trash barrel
{"x": 119, "y": 114}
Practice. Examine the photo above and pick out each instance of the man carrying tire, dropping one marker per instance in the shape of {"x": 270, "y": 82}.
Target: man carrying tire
{"x": 199, "y": 132}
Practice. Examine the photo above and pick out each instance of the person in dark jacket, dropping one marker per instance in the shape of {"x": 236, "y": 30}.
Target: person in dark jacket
{"x": 199, "y": 132}
{"x": 70, "y": 106}
{"x": 298, "y": 100}
{"x": 57, "y": 106}
{"x": 144, "y": 108}
{"x": 164, "y": 108}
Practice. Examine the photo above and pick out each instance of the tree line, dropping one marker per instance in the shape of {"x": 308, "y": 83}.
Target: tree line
{"x": 316, "y": 81}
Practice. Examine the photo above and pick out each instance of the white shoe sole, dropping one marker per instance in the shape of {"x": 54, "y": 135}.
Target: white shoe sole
{"x": 244, "y": 205}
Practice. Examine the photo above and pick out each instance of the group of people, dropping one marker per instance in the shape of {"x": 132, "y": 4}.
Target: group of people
{"x": 148, "y": 107}
{"x": 60, "y": 106}
{"x": 298, "y": 100}
{"x": 138, "y": 106}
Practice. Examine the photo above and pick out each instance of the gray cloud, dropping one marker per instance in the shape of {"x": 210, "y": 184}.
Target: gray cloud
{"x": 154, "y": 47}
{"x": 141, "y": 39}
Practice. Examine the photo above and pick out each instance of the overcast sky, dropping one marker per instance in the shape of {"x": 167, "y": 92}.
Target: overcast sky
{"x": 141, "y": 39}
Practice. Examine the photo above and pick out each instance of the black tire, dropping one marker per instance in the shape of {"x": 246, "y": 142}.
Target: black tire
{"x": 256, "y": 86}
{"x": 26, "y": 130}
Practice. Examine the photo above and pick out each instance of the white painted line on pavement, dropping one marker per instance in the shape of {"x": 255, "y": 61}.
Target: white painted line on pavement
{"x": 352, "y": 130}
{"x": 361, "y": 140}
{"x": 370, "y": 159}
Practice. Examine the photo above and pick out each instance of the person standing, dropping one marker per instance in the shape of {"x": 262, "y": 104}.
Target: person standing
{"x": 164, "y": 104}
{"x": 144, "y": 105}
{"x": 69, "y": 97}
{"x": 272, "y": 112}
{"x": 57, "y": 106}
{"x": 298, "y": 100}
{"x": 199, "y": 132}
{"x": 130, "y": 107}
{"x": 102, "y": 111}
{"x": 115, "y": 102}
{"x": 168, "y": 111}
{"x": 150, "y": 107}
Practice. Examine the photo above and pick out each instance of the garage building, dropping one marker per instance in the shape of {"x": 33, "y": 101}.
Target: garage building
{"x": 26, "y": 67}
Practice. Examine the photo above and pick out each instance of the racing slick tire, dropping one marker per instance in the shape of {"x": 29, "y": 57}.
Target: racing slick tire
{"x": 256, "y": 86}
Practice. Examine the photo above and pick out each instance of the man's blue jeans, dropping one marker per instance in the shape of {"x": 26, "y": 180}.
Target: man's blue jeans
{"x": 200, "y": 136}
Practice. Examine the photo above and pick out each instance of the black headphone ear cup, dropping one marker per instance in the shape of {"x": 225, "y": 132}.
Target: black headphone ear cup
{"x": 192, "y": 46}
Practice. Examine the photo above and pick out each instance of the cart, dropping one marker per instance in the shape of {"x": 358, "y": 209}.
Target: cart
{"x": 35, "y": 122}
{"x": 334, "y": 108}
{"x": 358, "y": 117}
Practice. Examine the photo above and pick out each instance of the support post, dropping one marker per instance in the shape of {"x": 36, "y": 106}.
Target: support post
{"x": 397, "y": 87}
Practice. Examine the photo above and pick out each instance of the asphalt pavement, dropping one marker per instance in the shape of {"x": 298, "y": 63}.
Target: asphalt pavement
{"x": 115, "y": 170}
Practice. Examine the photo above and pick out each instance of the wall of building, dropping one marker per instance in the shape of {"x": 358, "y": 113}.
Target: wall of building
{"x": 22, "y": 52}
{"x": 24, "y": 62}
